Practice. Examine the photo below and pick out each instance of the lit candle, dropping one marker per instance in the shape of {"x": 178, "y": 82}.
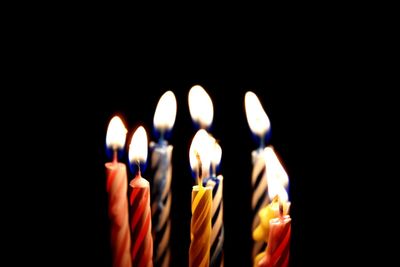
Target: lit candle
{"x": 279, "y": 207}
{"x": 200, "y": 226}
{"x": 117, "y": 183}
{"x": 260, "y": 126}
{"x": 200, "y": 107}
{"x": 161, "y": 168}
{"x": 216, "y": 183}
{"x": 278, "y": 249}
{"x": 139, "y": 200}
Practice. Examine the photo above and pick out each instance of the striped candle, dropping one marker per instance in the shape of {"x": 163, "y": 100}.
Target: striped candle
{"x": 278, "y": 249}
{"x": 260, "y": 127}
{"x": 161, "y": 168}
{"x": 200, "y": 227}
{"x": 161, "y": 201}
{"x": 142, "y": 242}
{"x": 116, "y": 186}
{"x": 260, "y": 197}
{"x": 139, "y": 200}
{"x": 217, "y": 232}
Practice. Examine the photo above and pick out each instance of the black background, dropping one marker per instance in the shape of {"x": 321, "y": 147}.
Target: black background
{"x": 94, "y": 71}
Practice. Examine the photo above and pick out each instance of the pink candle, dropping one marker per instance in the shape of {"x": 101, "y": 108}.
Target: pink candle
{"x": 116, "y": 186}
{"x": 139, "y": 200}
{"x": 277, "y": 252}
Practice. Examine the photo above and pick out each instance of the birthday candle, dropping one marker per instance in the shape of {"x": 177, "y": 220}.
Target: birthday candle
{"x": 161, "y": 168}
{"x": 117, "y": 183}
{"x": 139, "y": 200}
{"x": 200, "y": 226}
{"x": 260, "y": 125}
{"x": 216, "y": 183}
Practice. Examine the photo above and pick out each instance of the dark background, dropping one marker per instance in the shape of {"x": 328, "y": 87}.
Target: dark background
{"x": 83, "y": 220}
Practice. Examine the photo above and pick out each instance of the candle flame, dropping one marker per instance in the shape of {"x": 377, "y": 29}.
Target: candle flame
{"x": 216, "y": 154}
{"x": 138, "y": 146}
{"x": 200, "y": 147}
{"x": 274, "y": 166}
{"x": 277, "y": 177}
{"x": 116, "y": 133}
{"x": 200, "y": 106}
{"x": 256, "y": 117}
{"x": 164, "y": 116}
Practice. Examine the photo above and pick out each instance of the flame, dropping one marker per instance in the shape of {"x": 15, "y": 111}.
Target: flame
{"x": 164, "y": 116}
{"x": 275, "y": 166}
{"x": 277, "y": 178}
{"x": 116, "y": 133}
{"x": 200, "y": 106}
{"x": 201, "y": 145}
{"x": 138, "y": 146}
{"x": 216, "y": 153}
{"x": 256, "y": 117}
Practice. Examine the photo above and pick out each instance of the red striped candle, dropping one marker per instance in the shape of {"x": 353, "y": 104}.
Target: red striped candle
{"x": 116, "y": 186}
{"x": 277, "y": 252}
{"x": 139, "y": 200}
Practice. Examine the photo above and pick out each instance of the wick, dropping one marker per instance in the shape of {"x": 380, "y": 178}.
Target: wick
{"x": 115, "y": 155}
{"x": 199, "y": 171}
{"x": 214, "y": 169}
{"x": 262, "y": 144}
{"x": 161, "y": 139}
{"x": 138, "y": 165}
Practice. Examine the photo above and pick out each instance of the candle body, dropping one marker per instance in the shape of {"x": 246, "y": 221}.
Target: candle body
{"x": 217, "y": 225}
{"x": 259, "y": 196}
{"x": 278, "y": 249}
{"x": 140, "y": 222}
{"x": 116, "y": 185}
{"x": 200, "y": 227}
{"x": 161, "y": 201}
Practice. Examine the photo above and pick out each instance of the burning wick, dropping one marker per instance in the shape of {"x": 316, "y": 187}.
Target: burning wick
{"x": 199, "y": 174}
{"x": 138, "y": 165}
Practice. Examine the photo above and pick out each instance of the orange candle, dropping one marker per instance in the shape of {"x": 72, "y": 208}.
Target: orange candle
{"x": 139, "y": 200}
{"x": 200, "y": 226}
{"x": 116, "y": 185}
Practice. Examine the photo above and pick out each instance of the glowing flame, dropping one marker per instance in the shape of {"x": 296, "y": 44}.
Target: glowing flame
{"x": 164, "y": 116}
{"x": 116, "y": 133}
{"x": 256, "y": 117}
{"x": 276, "y": 176}
{"x": 200, "y": 106}
{"x": 274, "y": 166}
{"x": 216, "y": 151}
{"x": 138, "y": 146}
{"x": 201, "y": 145}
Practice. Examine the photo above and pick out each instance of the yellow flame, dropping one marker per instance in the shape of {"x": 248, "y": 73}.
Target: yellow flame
{"x": 164, "y": 116}
{"x": 138, "y": 146}
{"x": 201, "y": 144}
{"x": 200, "y": 106}
{"x": 274, "y": 166}
{"x": 216, "y": 153}
{"x": 277, "y": 177}
{"x": 256, "y": 117}
{"x": 116, "y": 133}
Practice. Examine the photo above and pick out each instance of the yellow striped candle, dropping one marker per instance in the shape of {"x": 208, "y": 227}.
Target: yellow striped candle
{"x": 200, "y": 226}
